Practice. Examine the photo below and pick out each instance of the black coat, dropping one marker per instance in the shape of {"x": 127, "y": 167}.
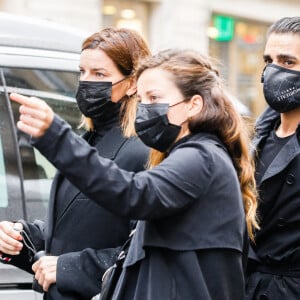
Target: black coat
{"x": 276, "y": 252}
{"x": 189, "y": 243}
{"x": 82, "y": 233}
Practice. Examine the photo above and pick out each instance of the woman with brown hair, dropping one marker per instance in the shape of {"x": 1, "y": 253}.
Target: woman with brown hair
{"x": 194, "y": 204}
{"x": 79, "y": 235}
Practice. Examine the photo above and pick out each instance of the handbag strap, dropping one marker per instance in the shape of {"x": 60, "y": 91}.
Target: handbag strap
{"x": 124, "y": 250}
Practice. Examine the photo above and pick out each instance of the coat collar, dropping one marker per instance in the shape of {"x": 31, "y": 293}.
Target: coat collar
{"x": 265, "y": 124}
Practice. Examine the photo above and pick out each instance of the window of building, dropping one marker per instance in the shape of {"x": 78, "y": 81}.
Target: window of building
{"x": 128, "y": 14}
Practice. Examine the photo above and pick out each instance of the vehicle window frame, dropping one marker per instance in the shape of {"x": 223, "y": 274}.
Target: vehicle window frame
{"x": 19, "y": 209}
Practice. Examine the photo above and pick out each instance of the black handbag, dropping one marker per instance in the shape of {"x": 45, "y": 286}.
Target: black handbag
{"x": 112, "y": 274}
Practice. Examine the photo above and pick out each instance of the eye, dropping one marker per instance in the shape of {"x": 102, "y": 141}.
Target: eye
{"x": 154, "y": 98}
{"x": 81, "y": 71}
{"x": 288, "y": 62}
{"x": 99, "y": 74}
{"x": 268, "y": 60}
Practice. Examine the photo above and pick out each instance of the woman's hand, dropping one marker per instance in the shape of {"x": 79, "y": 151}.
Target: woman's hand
{"x": 36, "y": 115}
{"x": 10, "y": 238}
{"x": 45, "y": 271}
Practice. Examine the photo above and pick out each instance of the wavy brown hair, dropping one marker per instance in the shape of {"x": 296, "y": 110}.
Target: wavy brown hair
{"x": 125, "y": 47}
{"x": 195, "y": 74}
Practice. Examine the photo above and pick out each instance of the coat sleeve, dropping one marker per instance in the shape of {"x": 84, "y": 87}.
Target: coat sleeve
{"x": 81, "y": 272}
{"x": 174, "y": 184}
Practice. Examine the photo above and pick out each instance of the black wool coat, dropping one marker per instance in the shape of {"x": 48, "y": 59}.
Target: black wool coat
{"x": 274, "y": 259}
{"x": 191, "y": 237}
{"x": 84, "y": 235}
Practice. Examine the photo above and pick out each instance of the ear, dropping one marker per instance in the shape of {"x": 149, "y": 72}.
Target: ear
{"x": 131, "y": 90}
{"x": 196, "y": 105}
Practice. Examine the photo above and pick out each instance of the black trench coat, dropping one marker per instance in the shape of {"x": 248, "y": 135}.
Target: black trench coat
{"x": 190, "y": 239}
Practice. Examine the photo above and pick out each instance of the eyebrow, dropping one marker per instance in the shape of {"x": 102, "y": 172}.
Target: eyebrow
{"x": 279, "y": 56}
{"x": 147, "y": 93}
{"x": 95, "y": 69}
{"x": 152, "y": 91}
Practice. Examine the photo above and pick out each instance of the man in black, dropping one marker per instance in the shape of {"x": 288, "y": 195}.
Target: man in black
{"x": 274, "y": 260}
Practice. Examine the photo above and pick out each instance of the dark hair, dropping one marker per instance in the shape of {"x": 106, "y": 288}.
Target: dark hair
{"x": 195, "y": 74}
{"x": 285, "y": 25}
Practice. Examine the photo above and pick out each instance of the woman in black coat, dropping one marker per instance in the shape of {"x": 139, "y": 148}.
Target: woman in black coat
{"x": 197, "y": 199}
{"x": 80, "y": 235}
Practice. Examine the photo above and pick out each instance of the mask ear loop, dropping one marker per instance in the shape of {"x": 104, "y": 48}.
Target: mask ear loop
{"x": 117, "y": 82}
{"x": 183, "y": 100}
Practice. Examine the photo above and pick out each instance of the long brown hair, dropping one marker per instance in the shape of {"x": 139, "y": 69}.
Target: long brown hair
{"x": 195, "y": 74}
{"x": 125, "y": 48}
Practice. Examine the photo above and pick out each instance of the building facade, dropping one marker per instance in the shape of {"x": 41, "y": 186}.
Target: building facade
{"x": 233, "y": 31}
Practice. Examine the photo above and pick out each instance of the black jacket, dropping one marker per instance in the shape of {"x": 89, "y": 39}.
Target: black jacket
{"x": 277, "y": 244}
{"x": 190, "y": 240}
{"x": 82, "y": 233}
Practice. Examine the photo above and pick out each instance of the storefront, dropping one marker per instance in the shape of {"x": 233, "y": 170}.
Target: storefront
{"x": 239, "y": 44}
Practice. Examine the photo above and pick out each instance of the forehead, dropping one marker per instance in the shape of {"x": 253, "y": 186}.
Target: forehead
{"x": 155, "y": 77}
{"x": 96, "y": 58}
{"x": 287, "y": 43}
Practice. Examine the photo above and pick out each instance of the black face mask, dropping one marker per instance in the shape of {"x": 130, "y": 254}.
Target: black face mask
{"x": 281, "y": 88}
{"x": 153, "y": 127}
{"x": 94, "y": 99}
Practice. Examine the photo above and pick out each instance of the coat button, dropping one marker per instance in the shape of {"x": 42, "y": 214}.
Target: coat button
{"x": 290, "y": 179}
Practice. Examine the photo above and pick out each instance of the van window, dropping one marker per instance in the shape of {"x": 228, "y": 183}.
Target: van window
{"x": 11, "y": 195}
{"x": 58, "y": 89}
{"x": 60, "y": 82}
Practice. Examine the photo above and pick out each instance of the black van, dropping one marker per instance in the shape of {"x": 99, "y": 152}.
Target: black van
{"x": 37, "y": 58}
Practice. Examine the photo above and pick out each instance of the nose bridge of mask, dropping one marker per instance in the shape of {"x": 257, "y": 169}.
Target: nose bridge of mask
{"x": 150, "y": 111}
{"x": 278, "y": 69}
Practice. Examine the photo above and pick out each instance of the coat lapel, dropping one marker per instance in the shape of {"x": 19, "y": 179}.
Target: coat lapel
{"x": 50, "y": 213}
{"x": 288, "y": 152}
{"x": 111, "y": 143}
{"x": 108, "y": 147}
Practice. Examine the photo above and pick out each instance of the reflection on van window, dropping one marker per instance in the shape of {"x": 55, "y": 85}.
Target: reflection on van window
{"x": 48, "y": 168}
{"x": 60, "y": 82}
{"x": 58, "y": 89}
{"x": 3, "y": 185}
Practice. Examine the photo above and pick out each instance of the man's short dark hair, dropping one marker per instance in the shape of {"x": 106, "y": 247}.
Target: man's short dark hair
{"x": 285, "y": 25}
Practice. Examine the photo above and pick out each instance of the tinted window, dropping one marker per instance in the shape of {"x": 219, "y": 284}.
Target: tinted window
{"x": 63, "y": 83}
{"x": 11, "y": 193}
{"x": 58, "y": 89}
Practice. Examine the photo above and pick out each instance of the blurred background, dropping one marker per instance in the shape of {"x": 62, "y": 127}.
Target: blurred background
{"x": 233, "y": 31}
